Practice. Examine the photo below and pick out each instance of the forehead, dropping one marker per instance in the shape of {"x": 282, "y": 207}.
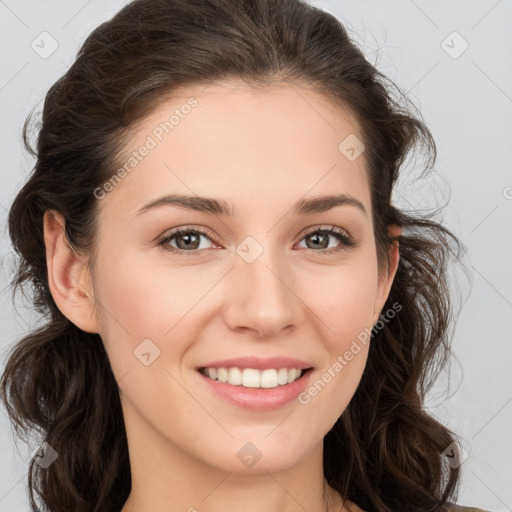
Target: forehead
{"x": 240, "y": 142}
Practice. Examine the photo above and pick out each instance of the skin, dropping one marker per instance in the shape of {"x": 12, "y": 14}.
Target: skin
{"x": 261, "y": 150}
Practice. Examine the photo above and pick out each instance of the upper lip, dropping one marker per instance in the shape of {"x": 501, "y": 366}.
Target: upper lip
{"x": 259, "y": 363}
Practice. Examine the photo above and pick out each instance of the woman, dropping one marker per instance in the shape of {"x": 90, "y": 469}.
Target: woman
{"x": 238, "y": 316}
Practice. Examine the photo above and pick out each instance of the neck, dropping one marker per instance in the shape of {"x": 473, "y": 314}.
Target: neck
{"x": 166, "y": 478}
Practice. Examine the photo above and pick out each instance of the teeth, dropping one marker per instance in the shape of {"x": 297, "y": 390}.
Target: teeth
{"x": 222, "y": 374}
{"x": 235, "y": 376}
{"x": 252, "y": 378}
{"x": 269, "y": 379}
{"x": 282, "y": 376}
{"x": 293, "y": 374}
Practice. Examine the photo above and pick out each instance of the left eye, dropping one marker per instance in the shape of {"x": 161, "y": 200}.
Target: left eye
{"x": 320, "y": 238}
{"x": 189, "y": 240}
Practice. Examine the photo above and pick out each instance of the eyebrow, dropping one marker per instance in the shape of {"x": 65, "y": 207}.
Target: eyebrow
{"x": 218, "y": 207}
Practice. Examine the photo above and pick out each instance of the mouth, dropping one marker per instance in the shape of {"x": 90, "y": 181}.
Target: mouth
{"x": 254, "y": 378}
{"x": 253, "y": 389}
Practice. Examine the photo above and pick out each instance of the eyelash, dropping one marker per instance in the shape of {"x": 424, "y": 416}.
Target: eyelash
{"x": 346, "y": 241}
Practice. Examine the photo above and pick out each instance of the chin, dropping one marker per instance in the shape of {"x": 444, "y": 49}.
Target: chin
{"x": 248, "y": 454}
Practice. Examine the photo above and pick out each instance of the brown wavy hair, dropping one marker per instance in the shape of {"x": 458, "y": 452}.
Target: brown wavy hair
{"x": 385, "y": 452}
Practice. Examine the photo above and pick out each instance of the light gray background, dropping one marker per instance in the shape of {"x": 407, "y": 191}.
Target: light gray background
{"x": 467, "y": 103}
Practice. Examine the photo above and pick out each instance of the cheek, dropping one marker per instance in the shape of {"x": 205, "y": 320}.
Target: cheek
{"x": 142, "y": 300}
{"x": 346, "y": 307}
{"x": 346, "y": 301}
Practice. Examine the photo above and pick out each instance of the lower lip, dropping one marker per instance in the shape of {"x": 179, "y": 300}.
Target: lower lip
{"x": 259, "y": 399}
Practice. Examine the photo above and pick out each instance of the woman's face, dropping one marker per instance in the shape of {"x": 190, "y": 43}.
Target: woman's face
{"x": 264, "y": 283}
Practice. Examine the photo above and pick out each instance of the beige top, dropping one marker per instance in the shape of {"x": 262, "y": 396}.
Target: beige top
{"x": 450, "y": 508}
{"x": 460, "y": 508}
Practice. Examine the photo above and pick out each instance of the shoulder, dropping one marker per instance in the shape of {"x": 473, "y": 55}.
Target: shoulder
{"x": 460, "y": 508}
{"x": 452, "y": 507}
{"x": 449, "y": 507}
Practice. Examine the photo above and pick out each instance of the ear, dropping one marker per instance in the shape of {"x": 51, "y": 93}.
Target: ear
{"x": 69, "y": 278}
{"x": 387, "y": 275}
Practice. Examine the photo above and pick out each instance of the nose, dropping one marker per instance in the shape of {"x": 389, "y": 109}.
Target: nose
{"x": 261, "y": 295}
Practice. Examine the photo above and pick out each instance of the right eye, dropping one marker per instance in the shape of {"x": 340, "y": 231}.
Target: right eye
{"x": 188, "y": 240}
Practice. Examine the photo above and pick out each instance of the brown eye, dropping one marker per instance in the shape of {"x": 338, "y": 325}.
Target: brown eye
{"x": 190, "y": 240}
{"x": 187, "y": 241}
{"x": 318, "y": 241}
{"x": 320, "y": 238}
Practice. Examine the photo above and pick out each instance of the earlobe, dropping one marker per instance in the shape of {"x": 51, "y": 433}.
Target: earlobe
{"x": 388, "y": 275}
{"x": 68, "y": 276}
